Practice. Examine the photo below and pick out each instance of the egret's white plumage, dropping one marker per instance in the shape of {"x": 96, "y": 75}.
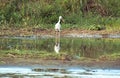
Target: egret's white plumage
{"x": 58, "y": 25}
{"x": 57, "y": 47}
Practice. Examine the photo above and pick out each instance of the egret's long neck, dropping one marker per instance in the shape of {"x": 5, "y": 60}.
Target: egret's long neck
{"x": 59, "y": 20}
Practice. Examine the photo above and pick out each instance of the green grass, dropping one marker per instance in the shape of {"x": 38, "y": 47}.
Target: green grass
{"x": 53, "y": 56}
{"x": 33, "y": 54}
{"x": 26, "y": 13}
{"x": 111, "y": 57}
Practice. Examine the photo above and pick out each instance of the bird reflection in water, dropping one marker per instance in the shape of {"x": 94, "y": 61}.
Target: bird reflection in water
{"x": 57, "y": 43}
{"x": 57, "y": 47}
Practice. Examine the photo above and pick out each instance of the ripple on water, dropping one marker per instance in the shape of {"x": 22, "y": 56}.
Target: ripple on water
{"x": 58, "y": 72}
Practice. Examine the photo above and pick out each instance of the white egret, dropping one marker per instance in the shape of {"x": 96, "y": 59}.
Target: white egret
{"x": 58, "y": 25}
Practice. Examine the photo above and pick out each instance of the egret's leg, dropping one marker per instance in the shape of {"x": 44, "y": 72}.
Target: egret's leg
{"x": 59, "y": 36}
{"x": 55, "y": 36}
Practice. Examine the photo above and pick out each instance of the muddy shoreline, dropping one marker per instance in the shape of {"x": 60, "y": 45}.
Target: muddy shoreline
{"x": 60, "y": 63}
{"x": 38, "y": 32}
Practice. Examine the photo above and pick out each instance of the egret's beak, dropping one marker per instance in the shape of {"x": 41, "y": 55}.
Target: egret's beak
{"x": 63, "y": 20}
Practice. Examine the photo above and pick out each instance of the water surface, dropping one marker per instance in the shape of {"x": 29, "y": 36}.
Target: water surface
{"x": 82, "y": 47}
{"x": 69, "y": 72}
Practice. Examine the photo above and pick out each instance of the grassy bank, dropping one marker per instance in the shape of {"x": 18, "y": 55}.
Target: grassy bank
{"x": 98, "y": 15}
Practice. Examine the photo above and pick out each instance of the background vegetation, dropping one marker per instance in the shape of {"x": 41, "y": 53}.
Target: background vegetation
{"x": 90, "y": 14}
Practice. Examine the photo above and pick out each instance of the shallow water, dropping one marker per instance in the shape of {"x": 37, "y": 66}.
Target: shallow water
{"x": 77, "y": 47}
{"x": 56, "y": 72}
{"x": 93, "y": 35}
